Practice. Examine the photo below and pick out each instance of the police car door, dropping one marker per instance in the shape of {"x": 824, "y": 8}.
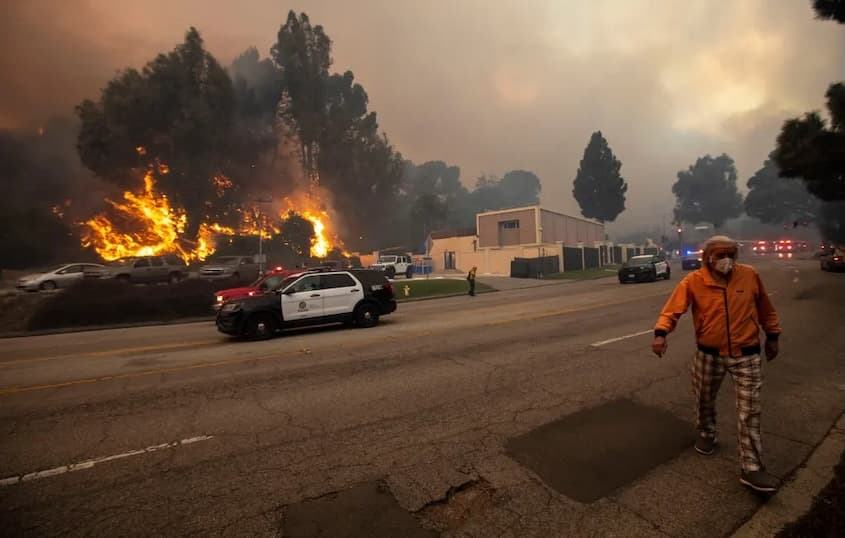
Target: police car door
{"x": 340, "y": 293}
{"x": 660, "y": 265}
{"x": 303, "y": 299}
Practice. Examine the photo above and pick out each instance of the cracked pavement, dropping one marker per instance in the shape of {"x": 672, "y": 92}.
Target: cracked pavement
{"x": 423, "y": 404}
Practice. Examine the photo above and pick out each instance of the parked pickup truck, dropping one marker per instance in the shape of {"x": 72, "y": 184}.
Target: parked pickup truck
{"x": 237, "y": 268}
{"x": 145, "y": 269}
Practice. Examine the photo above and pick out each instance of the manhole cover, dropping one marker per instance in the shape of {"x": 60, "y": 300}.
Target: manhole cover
{"x": 587, "y": 455}
{"x": 364, "y": 510}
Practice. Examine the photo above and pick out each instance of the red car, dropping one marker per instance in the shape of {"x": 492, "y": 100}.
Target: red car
{"x": 762, "y": 247}
{"x": 264, "y": 284}
{"x": 785, "y": 245}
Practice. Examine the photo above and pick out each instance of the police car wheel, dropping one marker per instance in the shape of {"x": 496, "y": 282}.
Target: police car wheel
{"x": 260, "y": 327}
{"x": 366, "y": 315}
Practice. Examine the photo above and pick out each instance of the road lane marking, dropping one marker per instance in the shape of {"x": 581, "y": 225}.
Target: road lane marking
{"x": 117, "y": 351}
{"x": 88, "y": 464}
{"x": 553, "y": 313}
{"x": 257, "y": 358}
{"x": 618, "y": 338}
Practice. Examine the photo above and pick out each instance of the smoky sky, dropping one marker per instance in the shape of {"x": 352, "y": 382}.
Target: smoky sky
{"x": 487, "y": 86}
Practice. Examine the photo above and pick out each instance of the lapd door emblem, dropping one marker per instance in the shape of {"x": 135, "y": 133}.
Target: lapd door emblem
{"x": 303, "y": 306}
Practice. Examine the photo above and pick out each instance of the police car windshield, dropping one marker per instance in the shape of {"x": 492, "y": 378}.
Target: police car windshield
{"x": 640, "y": 260}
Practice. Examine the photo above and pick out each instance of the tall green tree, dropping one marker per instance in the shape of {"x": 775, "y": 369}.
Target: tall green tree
{"x": 773, "y": 199}
{"x": 599, "y": 187}
{"x": 811, "y": 149}
{"x": 707, "y": 192}
{"x": 179, "y": 108}
{"x": 830, "y": 10}
{"x": 303, "y": 54}
{"x": 520, "y": 188}
{"x": 340, "y": 143}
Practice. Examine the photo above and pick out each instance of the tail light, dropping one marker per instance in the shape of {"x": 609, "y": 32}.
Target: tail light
{"x": 388, "y": 287}
{"x": 837, "y": 258}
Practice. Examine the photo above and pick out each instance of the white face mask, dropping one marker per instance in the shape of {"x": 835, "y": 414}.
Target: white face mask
{"x": 724, "y": 265}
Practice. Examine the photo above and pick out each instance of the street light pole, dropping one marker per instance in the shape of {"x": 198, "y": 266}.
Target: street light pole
{"x": 260, "y": 221}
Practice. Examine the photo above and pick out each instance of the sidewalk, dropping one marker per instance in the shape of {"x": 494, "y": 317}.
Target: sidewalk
{"x": 498, "y": 282}
{"x": 504, "y": 283}
{"x": 795, "y": 497}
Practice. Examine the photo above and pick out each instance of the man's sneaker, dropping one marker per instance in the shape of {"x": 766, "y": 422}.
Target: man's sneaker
{"x": 760, "y": 481}
{"x": 705, "y": 444}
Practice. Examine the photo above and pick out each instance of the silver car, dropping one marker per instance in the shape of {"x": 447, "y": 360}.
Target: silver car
{"x": 240, "y": 268}
{"x": 58, "y": 276}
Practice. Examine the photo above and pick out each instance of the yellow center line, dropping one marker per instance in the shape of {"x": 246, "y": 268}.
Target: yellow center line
{"x": 112, "y": 352}
{"x": 229, "y": 362}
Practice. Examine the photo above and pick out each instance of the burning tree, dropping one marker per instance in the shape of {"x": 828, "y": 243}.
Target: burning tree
{"x": 194, "y": 141}
{"x": 179, "y": 109}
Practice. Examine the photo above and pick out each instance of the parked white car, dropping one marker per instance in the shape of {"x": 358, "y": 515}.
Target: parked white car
{"x": 58, "y": 276}
{"x": 393, "y": 266}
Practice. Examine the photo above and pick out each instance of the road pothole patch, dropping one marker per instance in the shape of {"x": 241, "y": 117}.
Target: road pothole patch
{"x": 591, "y": 453}
{"x": 460, "y": 505}
{"x": 366, "y": 509}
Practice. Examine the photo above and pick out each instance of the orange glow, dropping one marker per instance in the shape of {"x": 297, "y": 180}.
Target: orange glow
{"x": 146, "y": 223}
{"x": 148, "y": 226}
{"x": 221, "y": 185}
{"x": 312, "y": 208}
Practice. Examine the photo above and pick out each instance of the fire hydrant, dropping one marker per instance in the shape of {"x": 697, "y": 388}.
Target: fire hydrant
{"x": 407, "y": 290}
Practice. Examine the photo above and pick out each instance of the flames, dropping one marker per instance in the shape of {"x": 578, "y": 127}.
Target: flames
{"x": 306, "y": 207}
{"x": 147, "y": 223}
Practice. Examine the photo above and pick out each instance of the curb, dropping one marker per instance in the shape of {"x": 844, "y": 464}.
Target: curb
{"x": 795, "y": 497}
{"x": 445, "y": 296}
{"x": 182, "y": 321}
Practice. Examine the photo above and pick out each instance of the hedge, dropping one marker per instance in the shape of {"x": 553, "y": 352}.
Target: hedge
{"x": 107, "y": 302}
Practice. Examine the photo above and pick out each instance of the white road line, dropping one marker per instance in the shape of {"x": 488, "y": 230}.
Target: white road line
{"x": 618, "y": 338}
{"x": 87, "y": 464}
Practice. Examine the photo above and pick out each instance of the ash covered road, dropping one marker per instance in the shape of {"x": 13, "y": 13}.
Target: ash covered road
{"x": 401, "y": 429}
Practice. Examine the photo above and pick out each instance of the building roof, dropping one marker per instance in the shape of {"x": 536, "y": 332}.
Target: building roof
{"x": 443, "y": 234}
{"x": 541, "y": 208}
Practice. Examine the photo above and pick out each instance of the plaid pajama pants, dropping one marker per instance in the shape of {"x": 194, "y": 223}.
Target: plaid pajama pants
{"x": 707, "y": 374}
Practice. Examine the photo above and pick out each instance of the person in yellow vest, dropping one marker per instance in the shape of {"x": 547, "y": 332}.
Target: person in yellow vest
{"x": 471, "y": 280}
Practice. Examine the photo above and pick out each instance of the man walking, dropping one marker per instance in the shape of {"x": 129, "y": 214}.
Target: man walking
{"x": 729, "y": 306}
{"x": 471, "y": 280}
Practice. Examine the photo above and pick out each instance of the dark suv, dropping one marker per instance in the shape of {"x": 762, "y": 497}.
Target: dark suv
{"x": 644, "y": 267}
{"x": 355, "y": 296}
{"x": 147, "y": 269}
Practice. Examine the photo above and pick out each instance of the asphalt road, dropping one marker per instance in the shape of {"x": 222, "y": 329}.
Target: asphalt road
{"x": 176, "y": 430}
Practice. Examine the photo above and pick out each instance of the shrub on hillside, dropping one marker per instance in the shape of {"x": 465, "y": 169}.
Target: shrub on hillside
{"x": 105, "y": 302}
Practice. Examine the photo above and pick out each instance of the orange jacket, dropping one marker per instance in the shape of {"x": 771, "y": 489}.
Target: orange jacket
{"x": 726, "y": 317}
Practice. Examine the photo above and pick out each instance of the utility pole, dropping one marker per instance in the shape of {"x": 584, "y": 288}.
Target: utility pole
{"x": 259, "y": 219}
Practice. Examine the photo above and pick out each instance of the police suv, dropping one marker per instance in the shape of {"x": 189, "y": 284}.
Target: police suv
{"x": 353, "y": 297}
{"x": 647, "y": 267}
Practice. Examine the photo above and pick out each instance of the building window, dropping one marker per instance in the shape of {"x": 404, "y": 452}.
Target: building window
{"x": 509, "y": 225}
